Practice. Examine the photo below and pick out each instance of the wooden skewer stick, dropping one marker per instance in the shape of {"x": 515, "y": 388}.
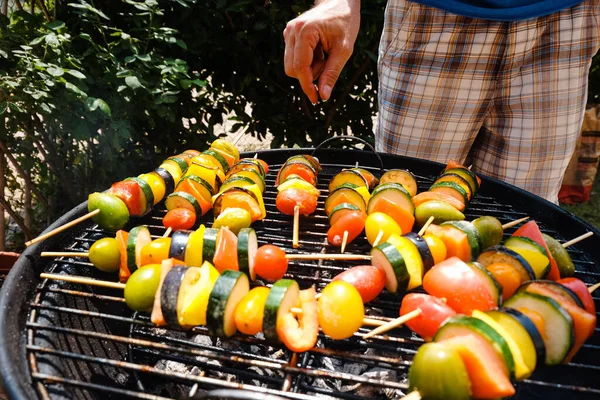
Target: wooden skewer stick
{"x": 514, "y": 223}
{"x": 344, "y": 242}
{"x": 237, "y": 139}
{"x": 63, "y": 227}
{"x": 167, "y": 232}
{"x": 412, "y": 396}
{"x": 577, "y": 239}
{"x": 592, "y": 288}
{"x": 325, "y": 256}
{"x": 424, "y": 228}
{"x": 117, "y": 285}
{"x": 393, "y": 323}
{"x": 296, "y": 229}
{"x": 378, "y": 238}
{"x": 64, "y": 254}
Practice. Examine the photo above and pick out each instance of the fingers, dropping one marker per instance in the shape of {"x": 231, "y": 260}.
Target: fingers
{"x": 333, "y": 67}
{"x": 303, "y": 59}
{"x": 288, "y": 57}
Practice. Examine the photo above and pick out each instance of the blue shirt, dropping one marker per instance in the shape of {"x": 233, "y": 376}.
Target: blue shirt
{"x": 501, "y": 10}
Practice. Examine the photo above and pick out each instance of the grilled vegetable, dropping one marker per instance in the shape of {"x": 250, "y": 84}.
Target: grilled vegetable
{"x": 464, "y": 288}
{"x": 341, "y": 310}
{"x": 131, "y": 194}
{"x": 247, "y": 248}
{"x": 402, "y": 177}
{"x": 423, "y": 248}
{"x": 157, "y": 316}
{"x": 434, "y": 312}
{"x": 412, "y": 259}
{"x": 379, "y": 222}
{"x": 367, "y": 279}
{"x": 392, "y": 199}
{"x": 169, "y": 293}
{"x": 105, "y": 255}
{"x": 439, "y": 210}
{"x": 146, "y": 194}
{"x": 348, "y": 176}
{"x": 473, "y": 238}
{"x": 210, "y": 244}
{"x": 226, "y": 252}
{"x": 501, "y": 254}
{"x": 250, "y": 311}
{"x": 236, "y": 219}
{"x": 137, "y": 239}
{"x": 535, "y": 254}
{"x": 564, "y": 263}
{"x": 451, "y": 189}
{"x": 179, "y": 218}
{"x": 558, "y": 332}
{"x": 142, "y": 286}
{"x": 156, "y": 184}
{"x": 490, "y": 231}
{"x": 229, "y": 289}
{"x": 179, "y": 242}
{"x": 288, "y": 199}
{"x": 436, "y": 247}
{"x": 386, "y": 257}
{"x": 344, "y": 194}
{"x": 532, "y": 231}
{"x": 425, "y": 197}
{"x": 442, "y": 364}
{"x": 353, "y": 223}
{"x": 194, "y": 249}
{"x": 581, "y": 290}
{"x": 193, "y": 306}
{"x": 456, "y": 241}
{"x": 156, "y": 251}
{"x": 300, "y": 334}
{"x": 282, "y": 297}
{"x": 113, "y": 213}
{"x": 270, "y": 262}
{"x": 507, "y": 276}
{"x": 183, "y": 200}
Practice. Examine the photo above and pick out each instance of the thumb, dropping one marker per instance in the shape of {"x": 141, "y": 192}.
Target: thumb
{"x": 331, "y": 71}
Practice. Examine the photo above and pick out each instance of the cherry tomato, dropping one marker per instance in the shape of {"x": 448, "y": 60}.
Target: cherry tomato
{"x": 156, "y": 251}
{"x": 179, "y": 218}
{"x": 581, "y": 291}
{"x": 367, "y": 279}
{"x": 288, "y": 199}
{"x": 105, "y": 255}
{"x": 249, "y": 311}
{"x": 436, "y": 246}
{"x": 341, "y": 310}
{"x": 270, "y": 262}
{"x": 380, "y": 222}
{"x": 434, "y": 312}
{"x": 353, "y": 223}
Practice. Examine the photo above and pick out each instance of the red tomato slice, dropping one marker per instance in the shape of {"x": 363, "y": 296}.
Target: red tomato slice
{"x": 581, "y": 291}
{"x": 403, "y": 218}
{"x": 532, "y": 231}
{"x": 584, "y": 322}
{"x": 463, "y": 289}
{"x": 434, "y": 312}
{"x": 288, "y": 199}
{"x": 226, "y": 255}
{"x": 179, "y": 218}
{"x": 353, "y": 223}
{"x": 456, "y": 241}
{"x": 131, "y": 194}
{"x": 122, "y": 237}
{"x": 367, "y": 279}
{"x": 301, "y": 170}
{"x": 486, "y": 368}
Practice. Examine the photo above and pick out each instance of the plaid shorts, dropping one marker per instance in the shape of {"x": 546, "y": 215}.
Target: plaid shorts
{"x": 506, "y": 97}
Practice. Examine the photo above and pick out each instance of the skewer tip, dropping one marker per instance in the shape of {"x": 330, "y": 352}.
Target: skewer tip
{"x": 344, "y": 242}
{"x": 296, "y": 228}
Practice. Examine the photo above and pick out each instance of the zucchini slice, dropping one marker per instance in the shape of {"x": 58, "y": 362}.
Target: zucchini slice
{"x": 181, "y": 163}
{"x": 203, "y": 187}
{"x": 348, "y": 176}
{"x": 179, "y": 242}
{"x": 247, "y": 247}
{"x": 219, "y": 157}
{"x": 468, "y": 175}
{"x": 423, "y": 248}
{"x": 393, "y": 192}
{"x": 183, "y": 200}
{"x": 501, "y": 254}
{"x": 560, "y": 335}
{"x": 138, "y": 238}
{"x": 451, "y": 189}
{"x": 282, "y": 297}
{"x": 555, "y": 287}
{"x": 473, "y": 236}
{"x": 210, "y": 244}
{"x": 228, "y": 291}
{"x": 402, "y": 177}
{"x": 387, "y": 258}
{"x": 517, "y": 322}
{"x": 459, "y": 180}
{"x": 340, "y": 210}
{"x": 461, "y": 324}
{"x": 167, "y": 179}
{"x": 536, "y": 255}
{"x": 170, "y": 292}
{"x": 412, "y": 259}
{"x": 344, "y": 194}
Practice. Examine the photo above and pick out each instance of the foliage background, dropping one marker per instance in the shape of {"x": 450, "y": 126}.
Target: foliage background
{"x": 92, "y": 92}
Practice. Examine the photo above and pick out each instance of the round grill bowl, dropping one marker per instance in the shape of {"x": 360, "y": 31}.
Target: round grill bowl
{"x": 61, "y": 340}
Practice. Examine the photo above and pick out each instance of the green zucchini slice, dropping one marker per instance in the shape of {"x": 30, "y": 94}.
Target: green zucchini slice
{"x": 138, "y": 238}
{"x": 228, "y": 291}
{"x": 282, "y": 297}
{"x": 247, "y": 247}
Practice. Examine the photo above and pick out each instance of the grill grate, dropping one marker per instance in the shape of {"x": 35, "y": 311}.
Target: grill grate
{"x": 83, "y": 342}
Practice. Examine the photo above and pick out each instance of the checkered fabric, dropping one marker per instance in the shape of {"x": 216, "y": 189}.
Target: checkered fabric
{"x": 506, "y": 97}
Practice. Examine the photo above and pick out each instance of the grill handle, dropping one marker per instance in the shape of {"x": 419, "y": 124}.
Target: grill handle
{"x": 351, "y": 138}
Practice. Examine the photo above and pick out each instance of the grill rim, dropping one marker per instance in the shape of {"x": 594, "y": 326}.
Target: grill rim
{"x": 23, "y": 279}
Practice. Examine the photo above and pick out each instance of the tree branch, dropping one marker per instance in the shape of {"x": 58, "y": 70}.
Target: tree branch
{"x": 16, "y": 218}
{"x": 44, "y": 10}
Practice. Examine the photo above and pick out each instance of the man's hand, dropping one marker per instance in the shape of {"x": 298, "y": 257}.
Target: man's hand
{"x": 330, "y": 28}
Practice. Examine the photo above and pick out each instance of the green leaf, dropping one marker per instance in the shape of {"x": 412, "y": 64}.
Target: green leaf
{"x": 144, "y": 57}
{"x": 37, "y": 40}
{"x": 129, "y": 59}
{"x": 133, "y": 82}
{"x": 103, "y": 107}
{"x": 121, "y": 88}
{"x": 52, "y": 40}
{"x": 75, "y": 90}
{"x": 75, "y": 73}
{"x": 181, "y": 44}
{"x": 55, "y": 25}
{"x": 3, "y": 53}
{"x": 55, "y": 71}
{"x": 91, "y": 104}
{"x": 88, "y": 7}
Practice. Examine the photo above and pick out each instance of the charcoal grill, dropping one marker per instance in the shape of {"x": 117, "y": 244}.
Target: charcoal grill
{"x": 61, "y": 340}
